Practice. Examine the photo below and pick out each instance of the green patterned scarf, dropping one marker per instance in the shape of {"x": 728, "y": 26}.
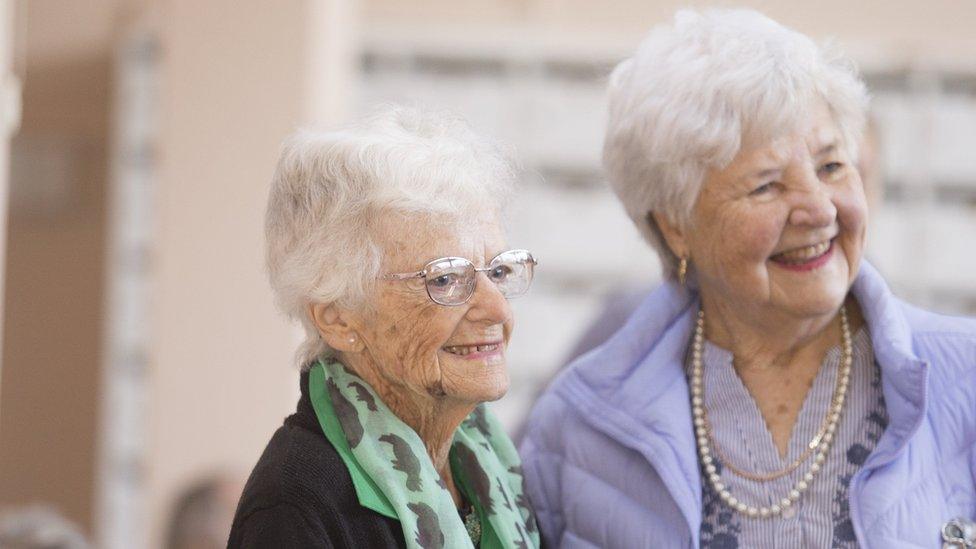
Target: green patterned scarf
{"x": 394, "y": 476}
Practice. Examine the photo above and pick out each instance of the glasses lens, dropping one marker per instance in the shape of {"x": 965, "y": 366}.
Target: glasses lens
{"x": 450, "y": 281}
{"x": 512, "y": 272}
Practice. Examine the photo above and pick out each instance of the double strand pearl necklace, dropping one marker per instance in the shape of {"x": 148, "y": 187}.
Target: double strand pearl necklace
{"x": 819, "y": 446}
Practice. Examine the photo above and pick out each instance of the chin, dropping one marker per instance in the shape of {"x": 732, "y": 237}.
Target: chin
{"x": 820, "y": 301}
{"x": 496, "y": 392}
{"x": 492, "y": 384}
{"x": 476, "y": 377}
{"x": 490, "y": 388}
{"x": 820, "y": 308}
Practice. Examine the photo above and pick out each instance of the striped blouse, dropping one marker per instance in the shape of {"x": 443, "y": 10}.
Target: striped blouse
{"x": 821, "y": 517}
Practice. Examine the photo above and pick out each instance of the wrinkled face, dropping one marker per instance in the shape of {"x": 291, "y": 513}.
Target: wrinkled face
{"x": 429, "y": 349}
{"x": 782, "y": 227}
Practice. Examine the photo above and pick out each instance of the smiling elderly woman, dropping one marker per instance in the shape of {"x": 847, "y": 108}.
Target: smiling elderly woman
{"x": 384, "y": 242}
{"x": 773, "y": 393}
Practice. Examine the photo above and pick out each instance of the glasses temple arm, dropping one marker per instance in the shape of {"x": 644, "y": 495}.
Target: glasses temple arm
{"x": 405, "y": 276}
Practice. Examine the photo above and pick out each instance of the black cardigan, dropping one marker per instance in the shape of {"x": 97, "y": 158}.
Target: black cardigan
{"x": 300, "y": 494}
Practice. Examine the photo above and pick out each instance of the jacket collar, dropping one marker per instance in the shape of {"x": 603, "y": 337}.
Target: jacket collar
{"x": 904, "y": 382}
{"x": 634, "y": 385}
{"x": 904, "y": 376}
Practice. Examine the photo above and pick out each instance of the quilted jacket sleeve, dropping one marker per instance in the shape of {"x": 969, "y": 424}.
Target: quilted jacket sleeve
{"x": 541, "y": 463}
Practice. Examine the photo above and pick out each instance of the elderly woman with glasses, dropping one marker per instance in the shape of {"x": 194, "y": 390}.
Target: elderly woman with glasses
{"x": 384, "y": 242}
{"x": 773, "y": 392}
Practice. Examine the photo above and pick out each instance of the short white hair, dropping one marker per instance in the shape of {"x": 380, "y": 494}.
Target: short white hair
{"x": 682, "y": 104}
{"x": 329, "y": 189}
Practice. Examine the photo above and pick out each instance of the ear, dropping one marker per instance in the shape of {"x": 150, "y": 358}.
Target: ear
{"x": 673, "y": 235}
{"x": 334, "y": 328}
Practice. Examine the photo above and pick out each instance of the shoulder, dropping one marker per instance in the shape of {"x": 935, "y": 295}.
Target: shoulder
{"x": 289, "y": 478}
{"x": 277, "y": 525}
{"x": 925, "y": 322}
{"x": 292, "y": 470}
{"x": 551, "y": 415}
{"x": 562, "y": 433}
{"x": 554, "y": 428}
{"x": 947, "y": 342}
{"x": 301, "y": 483}
{"x": 543, "y": 450}
{"x": 648, "y": 346}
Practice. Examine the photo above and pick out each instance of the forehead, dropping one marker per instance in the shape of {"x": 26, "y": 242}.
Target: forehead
{"x": 812, "y": 133}
{"x": 408, "y": 242}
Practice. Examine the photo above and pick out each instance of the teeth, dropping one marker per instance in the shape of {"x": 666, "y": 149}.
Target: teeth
{"x": 463, "y": 350}
{"x": 804, "y": 254}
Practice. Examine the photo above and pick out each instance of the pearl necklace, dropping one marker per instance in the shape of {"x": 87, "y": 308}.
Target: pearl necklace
{"x": 819, "y": 446}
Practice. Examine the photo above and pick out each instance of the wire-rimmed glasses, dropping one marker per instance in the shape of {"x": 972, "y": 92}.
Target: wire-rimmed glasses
{"x": 451, "y": 281}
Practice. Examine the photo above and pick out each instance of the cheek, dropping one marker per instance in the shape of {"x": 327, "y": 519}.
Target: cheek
{"x": 412, "y": 339}
{"x": 852, "y": 212}
{"x": 852, "y": 218}
{"x": 761, "y": 238}
{"x": 750, "y": 237}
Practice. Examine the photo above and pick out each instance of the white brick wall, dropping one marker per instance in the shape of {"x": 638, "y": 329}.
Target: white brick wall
{"x": 921, "y": 237}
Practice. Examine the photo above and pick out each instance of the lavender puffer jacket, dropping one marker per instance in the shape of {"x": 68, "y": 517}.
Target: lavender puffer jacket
{"x": 610, "y": 460}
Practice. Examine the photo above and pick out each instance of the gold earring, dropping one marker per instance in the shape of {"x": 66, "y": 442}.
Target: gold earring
{"x": 682, "y": 271}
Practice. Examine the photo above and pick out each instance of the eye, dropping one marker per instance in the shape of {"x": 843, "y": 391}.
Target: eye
{"x": 830, "y": 168}
{"x": 500, "y": 272}
{"x": 444, "y": 280}
{"x": 762, "y": 189}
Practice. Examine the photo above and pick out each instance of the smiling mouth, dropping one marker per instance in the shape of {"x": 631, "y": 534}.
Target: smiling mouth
{"x": 464, "y": 350}
{"x": 805, "y": 255}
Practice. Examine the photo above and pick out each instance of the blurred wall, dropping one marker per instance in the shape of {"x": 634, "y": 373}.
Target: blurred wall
{"x": 10, "y": 103}
{"x": 54, "y": 269}
{"x": 903, "y": 29}
{"x": 235, "y": 82}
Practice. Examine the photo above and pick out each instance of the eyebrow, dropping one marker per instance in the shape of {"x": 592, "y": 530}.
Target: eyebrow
{"x": 827, "y": 149}
{"x": 770, "y": 172}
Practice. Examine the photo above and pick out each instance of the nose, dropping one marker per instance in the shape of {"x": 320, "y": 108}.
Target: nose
{"x": 814, "y": 206}
{"x": 487, "y": 304}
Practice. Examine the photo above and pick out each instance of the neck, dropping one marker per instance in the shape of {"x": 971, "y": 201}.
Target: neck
{"x": 434, "y": 418}
{"x": 764, "y": 341}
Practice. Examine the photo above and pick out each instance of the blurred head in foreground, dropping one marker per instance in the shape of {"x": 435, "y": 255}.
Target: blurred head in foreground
{"x": 202, "y": 514}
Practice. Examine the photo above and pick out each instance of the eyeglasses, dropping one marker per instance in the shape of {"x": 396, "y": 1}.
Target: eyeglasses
{"x": 451, "y": 281}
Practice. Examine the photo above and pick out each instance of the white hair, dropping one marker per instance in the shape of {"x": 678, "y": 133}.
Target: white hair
{"x": 329, "y": 189}
{"x": 695, "y": 87}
